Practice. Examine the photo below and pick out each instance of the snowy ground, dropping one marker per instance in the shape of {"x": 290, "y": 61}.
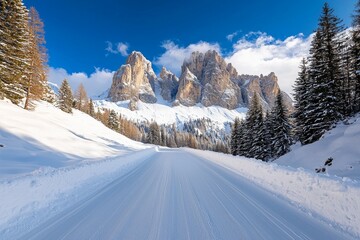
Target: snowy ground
{"x": 50, "y": 138}
{"x": 69, "y": 176}
{"x": 177, "y": 195}
{"x": 341, "y": 143}
{"x": 333, "y": 199}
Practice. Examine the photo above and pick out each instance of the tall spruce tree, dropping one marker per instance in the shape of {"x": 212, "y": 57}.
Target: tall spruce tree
{"x": 301, "y": 87}
{"x": 113, "y": 121}
{"x": 268, "y": 136}
{"x": 254, "y": 135}
{"x": 281, "y": 130}
{"x": 242, "y": 144}
{"x": 323, "y": 94}
{"x": 355, "y": 55}
{"x": 91, "y": 110}
{"x": 346, "y": 103}
{"x": 234, "y": 141}
{"x": 65, "y": 97}
{"x": 14, "y": 41}
{"x": 154, "y": 134}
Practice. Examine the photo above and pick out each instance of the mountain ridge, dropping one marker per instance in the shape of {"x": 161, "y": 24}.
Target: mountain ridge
{"x": 205, "y": 78}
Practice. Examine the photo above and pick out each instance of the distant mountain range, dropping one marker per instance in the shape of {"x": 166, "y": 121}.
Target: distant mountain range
{"x": 205, "y": 79}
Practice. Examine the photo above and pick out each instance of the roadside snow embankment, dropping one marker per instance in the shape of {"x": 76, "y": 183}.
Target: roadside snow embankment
{"x": 45, "y": 192}
{"x": 333, "y": 199}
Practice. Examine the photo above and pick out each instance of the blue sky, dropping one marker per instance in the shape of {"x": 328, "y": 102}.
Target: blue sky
{"x": 79, "y": 32}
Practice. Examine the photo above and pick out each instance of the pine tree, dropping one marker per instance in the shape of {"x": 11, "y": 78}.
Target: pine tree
{"x": 113, "y": 121}
{"x": 324, "y": 92}
{"x": 254, "y": 135}
{"x": 346, "y": 100}
{"x": 154, "y": 134}
{"x": 14, "y": 41}
{"x": 281, "y": 139}
{"x": 301, "y": 87}
{"x": 91, "y": 109}
{"x": 242, "y": 144}
{"x": 355, "y": 55}
{"x": 36, "y": 82}
{"x": 65, "y": 97}
{"x": 268, "y": 136}
{"x": 234, "y": 142}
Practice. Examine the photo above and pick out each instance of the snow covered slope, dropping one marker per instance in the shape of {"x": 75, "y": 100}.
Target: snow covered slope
{"x": 48, "y": 137}
{"x": 163, "y": 113}
{"x": 341, "y": 143}
{"x": 49, "y": 159}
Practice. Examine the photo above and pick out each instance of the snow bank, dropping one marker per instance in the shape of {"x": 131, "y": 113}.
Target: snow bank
{"x": 341, "y": 143}
{"x": 43, "y": 193}
{"x": 333, "y": 199}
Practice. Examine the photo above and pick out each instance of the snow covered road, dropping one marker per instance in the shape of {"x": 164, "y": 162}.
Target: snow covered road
{"x": 176, "y": 195}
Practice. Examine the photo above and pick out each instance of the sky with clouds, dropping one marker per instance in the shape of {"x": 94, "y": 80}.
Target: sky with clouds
{"x": 257, "y": 37}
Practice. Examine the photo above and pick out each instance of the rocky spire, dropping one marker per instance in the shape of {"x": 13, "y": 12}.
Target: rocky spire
{"x": 169, "y": 84}
{"x": 134, "y": 80}
{"x": 216, "y": 86}
{"x": 189, "y": 91}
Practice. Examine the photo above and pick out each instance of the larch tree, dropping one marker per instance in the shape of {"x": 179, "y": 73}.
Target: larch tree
{"x": 65, "y": 97}
{"x": 36, "y": 78}
{"x": 81, "y": 98}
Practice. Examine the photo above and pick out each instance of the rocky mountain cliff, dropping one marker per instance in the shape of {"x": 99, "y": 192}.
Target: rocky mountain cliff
{"x": 135, "y": 80}
{"x": 216, "y": 87}
{"x": 205, "y": 78}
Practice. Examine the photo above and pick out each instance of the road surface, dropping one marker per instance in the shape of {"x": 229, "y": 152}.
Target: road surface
{"x": 175, "y": 195}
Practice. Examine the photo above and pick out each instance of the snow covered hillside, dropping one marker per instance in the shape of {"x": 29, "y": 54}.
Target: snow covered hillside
{"x": 48, "y": 158}
{"x": 163, "y": 113}
{"x": 48, "y": 137}
{"x": 341, "y": 143}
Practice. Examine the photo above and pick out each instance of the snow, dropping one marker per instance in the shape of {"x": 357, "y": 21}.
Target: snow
{"x": 46, "y": 191}
{"x": 341, "y": 143}
{"x": 50, "y": 158}
{"x": 67, "y": 175}
{"x": 177, "y": 195}
{"x": 48, "y": 137}
{"x": 168, "y": 115}
{"x": 333, "y": 199}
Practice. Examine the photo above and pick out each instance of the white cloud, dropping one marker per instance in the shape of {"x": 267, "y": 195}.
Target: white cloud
{"x": 174, "y": 55}
{"x": 121, "y": 48}
{"x": 95, "y": 84}
{"x": 231, "y": 36}
{"x": 259, "y": 53}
